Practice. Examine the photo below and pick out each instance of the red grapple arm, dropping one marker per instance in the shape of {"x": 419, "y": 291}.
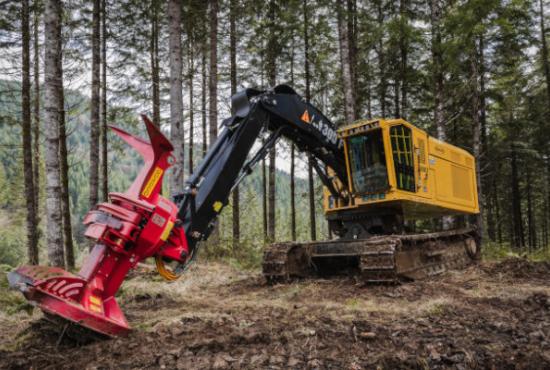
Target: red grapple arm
{"x": 134, "y": 225}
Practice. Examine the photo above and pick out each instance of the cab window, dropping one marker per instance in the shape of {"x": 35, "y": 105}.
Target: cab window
{"x": 368, "y": 163}
{"x": 402, "y": 151}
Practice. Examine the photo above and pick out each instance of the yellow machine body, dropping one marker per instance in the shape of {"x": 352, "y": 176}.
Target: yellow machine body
{"x": 392, "y": 164}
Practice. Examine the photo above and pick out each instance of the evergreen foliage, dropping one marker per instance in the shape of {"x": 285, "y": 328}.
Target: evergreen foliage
{"x": 493, "y": 74}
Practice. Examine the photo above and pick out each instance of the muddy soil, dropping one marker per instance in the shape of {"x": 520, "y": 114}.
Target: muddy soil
{"x": 490, "y": 316}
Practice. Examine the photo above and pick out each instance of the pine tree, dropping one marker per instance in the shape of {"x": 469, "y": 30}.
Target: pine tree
{"x": 213, "y": 74}
{"x": 233, "y": 72}
{"x": 382, "y": 63}
{"x": 272, "y": 50}
{"x": 32, "y": 239}
{"x": 544, "y": 51}
{"x": 64, "y": 176}
{"x": 437, "y": 66}
{"x": 36, "y": 113}
{"x": 311, "y": 188}
{"x": 292, "y": 159}
{"x": 403, "y": 62}
{"x": 176, "y": 97}
{"x": 94, "y": 106}
{"x": 190, "y": 84}
{"x": 203, "y": 97}
{"x": 346, "y": 62}
{"x": 104, "y": 160}
{"x": 52, "y": 99}
{"x": 154, "y": 56}
{"x": 213, "y": 87}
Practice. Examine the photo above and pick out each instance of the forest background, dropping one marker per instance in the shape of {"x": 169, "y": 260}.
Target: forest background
{"x": 474, "y": 73}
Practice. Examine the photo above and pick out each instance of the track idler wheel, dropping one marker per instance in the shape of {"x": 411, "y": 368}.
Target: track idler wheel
{"x": 472, "y": 248}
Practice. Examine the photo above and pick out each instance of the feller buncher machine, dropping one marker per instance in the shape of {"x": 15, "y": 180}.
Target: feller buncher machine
{"x": 376, "y": 174}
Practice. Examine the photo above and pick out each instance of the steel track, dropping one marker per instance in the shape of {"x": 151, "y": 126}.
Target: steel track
{"x": 381, "y": 259}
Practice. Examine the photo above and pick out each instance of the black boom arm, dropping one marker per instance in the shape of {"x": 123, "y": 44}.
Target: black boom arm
{"x": 282, "y": 113}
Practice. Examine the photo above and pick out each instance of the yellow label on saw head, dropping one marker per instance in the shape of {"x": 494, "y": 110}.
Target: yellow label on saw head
{"x": 152, "y": 182}
{"x": 166, "y": 232}
{"x": 95, "y": 300}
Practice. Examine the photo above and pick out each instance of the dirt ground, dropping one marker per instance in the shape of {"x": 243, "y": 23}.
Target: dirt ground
{"x": 490, "y": 316}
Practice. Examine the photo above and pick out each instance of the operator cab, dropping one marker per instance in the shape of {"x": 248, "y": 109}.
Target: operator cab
{"x": 393, "y": 166}
{"x": 367, "y": 149}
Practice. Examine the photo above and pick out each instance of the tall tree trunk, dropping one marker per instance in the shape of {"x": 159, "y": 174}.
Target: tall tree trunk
{"x": 271, "y": 195}
{"x": 213, "y": 87}
{"x": 483, "y": 105}
{"x": 94, "y": 107}
{"x": 104, "y": 130}
{"x": 544, "y": 51}
{"x": 347, "y": 82}
{"x": 497, "y": 210}
{"x": 531, "y": 227}
{"x": 213, "y": 75}
{"x": 396, "y": 97}
{"x": 264, "y": 173}
{"x": 191, "y": 76}
{"x": 437, "y": 78}
{"x": 403, "y": 50}
{"x": 292, "y": 160}
{"x": 381, "y": 61}
{"x": 52, "y": 98}
{"x": 437, "y": 68}
{"x": 176, "y": 96}
{"x": 517, "y": 220}
{"x": 476, "y": 121}
{"x": 369, "y": 99}
{"x": 264, "y": 201}
{"x": 64, "y": 175}
{"x": 489, "y": 204}
{"x": 233, "y": 73}
{"x": 292, "y": 192}
{"x": 395, "y": 68}
{"x": 36, "y": 114}
{"x": 352, "y": 51}
{"x": 546, "y": 225}
{"x": 546, "y": 70}
{"x": 311, "y": 187}
{"x": 271, "y": 71}
{"x": 32, "y": 248}
{"x": 203, "y": 100}
{"x": 489, "y": 211}
{"x": 154, "y": 54}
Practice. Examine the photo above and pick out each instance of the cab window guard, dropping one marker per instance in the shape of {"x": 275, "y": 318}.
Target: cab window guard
{"x": 403, "y": 160}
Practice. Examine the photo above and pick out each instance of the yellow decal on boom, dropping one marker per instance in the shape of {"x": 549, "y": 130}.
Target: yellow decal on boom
{"x": 152, "y": 182}
{"x": 217, "y": 206}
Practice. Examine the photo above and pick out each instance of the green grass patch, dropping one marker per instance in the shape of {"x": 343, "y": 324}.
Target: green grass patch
{"x": 352, "y": 303}
{"x": 492, "y": 251}
{"x": 437, "y": 309}
{"x": 11, "y": 301}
